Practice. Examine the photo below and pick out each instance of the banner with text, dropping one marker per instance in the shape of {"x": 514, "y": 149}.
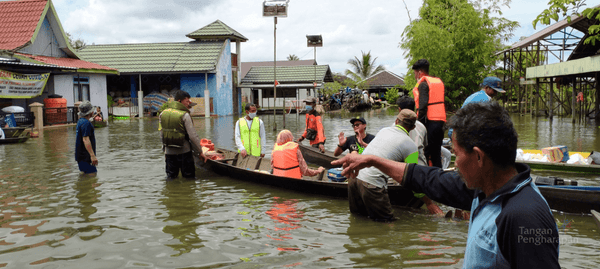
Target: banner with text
{"x": 15, "y": 85}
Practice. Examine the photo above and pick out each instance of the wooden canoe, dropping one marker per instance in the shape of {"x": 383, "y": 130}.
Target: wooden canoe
{"x": 572, "y": 199}
{"x": 14, "y": 140}
{"x": 99, "y": 124}
{"x": 14, "y": 132}
{"x": 596, "y": 217}
{"x": 314, "y": 156}
{"x": 255, "y": 170}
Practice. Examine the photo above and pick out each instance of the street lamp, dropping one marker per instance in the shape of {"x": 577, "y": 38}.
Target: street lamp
{"x": 275, "y": 8}
{"x": 314, "y": 41}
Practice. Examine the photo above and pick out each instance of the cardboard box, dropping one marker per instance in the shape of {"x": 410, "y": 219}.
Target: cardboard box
{"x": 556, "y": 154}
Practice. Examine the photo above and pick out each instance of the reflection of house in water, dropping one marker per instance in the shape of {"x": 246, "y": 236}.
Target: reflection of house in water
{"x": 202, "y": 67}
{"x": 296, "y": 81}
{"x": 32, "y": 41}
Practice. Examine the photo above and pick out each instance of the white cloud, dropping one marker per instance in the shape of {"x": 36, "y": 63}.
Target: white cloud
{"x": 347, "y": 26}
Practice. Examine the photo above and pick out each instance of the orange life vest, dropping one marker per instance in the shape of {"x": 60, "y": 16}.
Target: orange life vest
{"x": 436, "y": 111}
{"x": 285, "y": 160}
{"x": 315, "y": 123}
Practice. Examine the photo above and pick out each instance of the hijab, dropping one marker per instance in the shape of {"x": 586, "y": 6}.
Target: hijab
{"x": 284, "y": 136}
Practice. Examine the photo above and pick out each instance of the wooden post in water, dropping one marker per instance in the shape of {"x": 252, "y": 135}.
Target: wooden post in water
{"x": 550, "y": 99}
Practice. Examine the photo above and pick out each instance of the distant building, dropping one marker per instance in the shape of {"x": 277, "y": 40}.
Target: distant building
{"x": 296, "y": 81}
{"x": 202, "y": 66}
{"x": 32, "y": 41}
{"x": 379, "y": 83}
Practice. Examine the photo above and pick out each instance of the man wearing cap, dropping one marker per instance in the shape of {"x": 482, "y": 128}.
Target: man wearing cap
{"x": 511, "y": 224}
{"x": 431, "y": 111}
{"x": 490, "y": 87}
{"x": 250, "y": 133}
{"x": 358, "y": 142}
{"x": 367, "y": 193}
{"x": 314, "y": 126}
{"x": 85, "y": 141}
{"x": 179, "y": 137}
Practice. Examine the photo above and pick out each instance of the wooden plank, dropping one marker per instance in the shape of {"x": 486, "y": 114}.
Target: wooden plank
{"x": 596, "y": 217}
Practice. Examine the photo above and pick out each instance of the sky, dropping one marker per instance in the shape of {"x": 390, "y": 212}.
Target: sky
{"x": 347, "y": 26}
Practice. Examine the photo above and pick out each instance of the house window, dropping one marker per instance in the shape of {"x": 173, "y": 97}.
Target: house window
{"x": 81, "y": 88}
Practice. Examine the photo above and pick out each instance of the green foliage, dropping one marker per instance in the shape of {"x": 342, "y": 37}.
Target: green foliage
{"x": 569, "y": 8}
{"x": 363, "y": 68}
{"x": 76, "y": 44}
{"x": 391, "y": 95}
{"x": 330, "y": 88}
{"x": 293, "y": 57}
{"x": 459, "y": 41}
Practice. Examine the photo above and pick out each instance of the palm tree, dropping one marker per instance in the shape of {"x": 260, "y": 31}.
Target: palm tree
{"x": 293, "y": 57}
{"x": 363, "y": 68}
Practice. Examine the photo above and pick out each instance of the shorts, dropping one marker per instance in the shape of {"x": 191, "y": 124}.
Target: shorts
{"x": 87, "y": 168}
{"x": 369, "y": 200}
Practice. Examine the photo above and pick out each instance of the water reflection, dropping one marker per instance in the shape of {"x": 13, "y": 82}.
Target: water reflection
{"x": 183, "y": 203}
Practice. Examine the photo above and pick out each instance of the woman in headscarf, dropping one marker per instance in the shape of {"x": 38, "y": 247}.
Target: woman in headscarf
{"x": 287, "y": 160}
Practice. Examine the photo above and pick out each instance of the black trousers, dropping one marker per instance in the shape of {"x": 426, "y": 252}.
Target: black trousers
{"x": 435, "y": 138}
{"x": 183, "y": 162}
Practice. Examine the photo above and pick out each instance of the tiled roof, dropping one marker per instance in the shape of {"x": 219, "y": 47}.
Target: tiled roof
{"x": 182, "y": 57}
{"x": 18, "y": 22}
{"x": 68, "y": 62}
{"x": 17, "y": 63}
{"x": 384, "y": 78}
{"x": 288, "y": 74}
{"x": 247, "y": 65}
{"x": 217, "y": 30}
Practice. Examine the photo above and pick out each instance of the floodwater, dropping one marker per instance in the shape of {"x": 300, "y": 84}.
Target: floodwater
{"x": 129, "y": 217}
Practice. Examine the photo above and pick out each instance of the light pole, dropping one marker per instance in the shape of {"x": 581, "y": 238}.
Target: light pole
{"x": 314, "y": 41}
{"x": 275, "y": 8}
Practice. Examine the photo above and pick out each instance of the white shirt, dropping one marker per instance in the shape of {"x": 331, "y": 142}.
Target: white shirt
{"x": 238, "y": 135}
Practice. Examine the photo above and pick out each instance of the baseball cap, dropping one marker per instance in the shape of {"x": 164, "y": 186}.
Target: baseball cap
{"x": 358, "y": 118}
{"x": 85, "y": 108}
{"x": 494, "y": 83}
{"x": 407, "y": 116}
{"x": 310, "y": 100}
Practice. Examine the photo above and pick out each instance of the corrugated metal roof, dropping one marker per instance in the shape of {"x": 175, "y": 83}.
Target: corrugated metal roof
{"x": 384, "y": 78}
{"x": 195, "y": 56}
{"x": 289, "y": 74}
{"x": 12, "y": 62}
{"x": 217, "y": 30}
{"x": 67, "y": 62}
{"x": 18, "y": 22}
{"x": 575, "y": 23}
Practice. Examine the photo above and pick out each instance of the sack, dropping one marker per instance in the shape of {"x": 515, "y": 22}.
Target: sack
{"x": 311, "y": 134}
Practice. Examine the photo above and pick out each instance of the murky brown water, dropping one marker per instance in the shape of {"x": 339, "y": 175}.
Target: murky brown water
{"x": 128, "y": 216}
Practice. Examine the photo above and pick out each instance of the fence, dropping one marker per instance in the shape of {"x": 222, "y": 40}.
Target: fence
{"x": 61, "y": 115}
{"x": 21, "y": 118}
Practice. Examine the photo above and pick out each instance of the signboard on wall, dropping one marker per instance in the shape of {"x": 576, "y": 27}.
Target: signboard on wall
{"x": 15, "y": 85}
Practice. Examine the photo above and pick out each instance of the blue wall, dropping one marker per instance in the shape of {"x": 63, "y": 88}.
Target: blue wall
{"x": 220, "y": 89}
{"x": 223, "y": 98}
{"x": 194, "y": 84}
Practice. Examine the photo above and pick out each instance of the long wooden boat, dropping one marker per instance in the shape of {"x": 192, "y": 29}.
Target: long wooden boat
{"x": 15, "y": 135}
{"x": 99, "y": 124}
{"x": 14, "y": 132}
{"x": 255, "y": 169}
{"x": 572, "y": 199}
{"x": 314, "y": 156}
{"x": 14, "y": 140}
{"x": 596, "y": 216}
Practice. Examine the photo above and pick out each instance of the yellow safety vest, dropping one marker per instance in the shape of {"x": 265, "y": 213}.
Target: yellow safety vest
{"x": 250, "y": 136}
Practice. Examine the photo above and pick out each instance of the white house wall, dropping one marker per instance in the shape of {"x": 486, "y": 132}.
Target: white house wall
{"x": 45, "y": 42}
{"x": 63, "y": 85}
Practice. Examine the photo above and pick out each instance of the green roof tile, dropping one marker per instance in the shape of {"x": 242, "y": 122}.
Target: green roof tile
{"x": 217, "y": 30}
{"x": 195, "y": 56}
{"x": 288, "y": 74}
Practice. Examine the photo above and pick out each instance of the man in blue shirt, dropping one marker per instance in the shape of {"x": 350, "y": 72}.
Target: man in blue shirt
{"x": 85, "y": 143}
{"x": 511, "y": 223}
{"x": 490, "y": 87}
